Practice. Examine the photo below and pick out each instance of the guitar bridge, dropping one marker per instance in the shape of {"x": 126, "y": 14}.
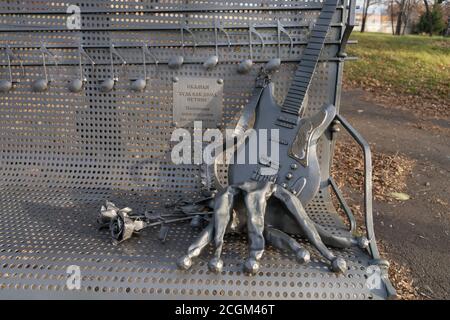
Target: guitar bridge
{"x": 267, "y": 171}
{"x": 257, "y": 176}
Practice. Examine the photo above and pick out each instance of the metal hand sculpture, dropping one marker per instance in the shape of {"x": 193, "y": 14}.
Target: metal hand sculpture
{"x": 270, "y": 208}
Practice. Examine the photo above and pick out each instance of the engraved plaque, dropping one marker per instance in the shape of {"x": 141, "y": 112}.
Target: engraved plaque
{"x": 197, "y": 99}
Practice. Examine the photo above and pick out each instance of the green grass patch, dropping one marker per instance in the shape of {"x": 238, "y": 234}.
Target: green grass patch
{"x": 418, "y": 65}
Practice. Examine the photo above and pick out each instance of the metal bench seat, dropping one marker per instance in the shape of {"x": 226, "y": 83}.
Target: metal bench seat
{"x": 43, "y": 232}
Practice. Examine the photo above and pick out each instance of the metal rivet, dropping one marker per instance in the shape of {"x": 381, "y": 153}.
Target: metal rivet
{"x": 289, "y": 176}
{"x": 220, "y": 81}
{"x": 294, "y": 166}
{"x": 175, "y": 79}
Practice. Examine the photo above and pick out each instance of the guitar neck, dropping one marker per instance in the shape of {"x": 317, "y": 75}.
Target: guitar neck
{"x": 310, "y": 56}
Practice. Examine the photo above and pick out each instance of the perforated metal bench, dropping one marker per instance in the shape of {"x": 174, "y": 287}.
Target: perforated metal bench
{"x": 64, "y": 153}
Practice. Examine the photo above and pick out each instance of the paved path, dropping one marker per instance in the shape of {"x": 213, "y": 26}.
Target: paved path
{"x": 416, "y": 232}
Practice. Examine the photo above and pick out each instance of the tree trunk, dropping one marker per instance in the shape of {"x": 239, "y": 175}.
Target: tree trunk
{"x": 398, "y": 26}
{"x": 363, "y": 23}
{"x": 392, "y": 17}
{"x": 429, "y": 16}
{"x": 364, "y": 14}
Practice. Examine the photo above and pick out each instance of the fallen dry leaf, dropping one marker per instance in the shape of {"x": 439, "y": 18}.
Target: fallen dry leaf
{"x": 400, "y": 196}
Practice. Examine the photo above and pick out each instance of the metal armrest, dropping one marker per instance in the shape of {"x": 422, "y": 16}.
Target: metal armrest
{"x": 368, "y": 209}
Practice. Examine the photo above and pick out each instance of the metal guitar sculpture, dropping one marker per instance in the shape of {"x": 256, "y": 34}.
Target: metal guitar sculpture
{"x": 268, "y": 198}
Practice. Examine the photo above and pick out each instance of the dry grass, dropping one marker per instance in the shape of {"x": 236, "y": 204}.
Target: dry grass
{"x": 390, "y": 172}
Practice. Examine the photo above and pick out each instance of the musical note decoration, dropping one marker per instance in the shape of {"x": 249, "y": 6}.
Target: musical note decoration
{"x": 7, "y": 84}
{"x": 274, "y": 64}
{"x": 141, "y": 83}
{"x": 108, "y": 84}
{"x": 76, "y": 85}
{"x": 42, "y": 84}
{"x": 213, "y": 60}
{"x": 176, "y": 62}
{"x": 246, "y": 65}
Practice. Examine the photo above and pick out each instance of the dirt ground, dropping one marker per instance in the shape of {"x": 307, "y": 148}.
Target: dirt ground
{"x": 414, "y": 233}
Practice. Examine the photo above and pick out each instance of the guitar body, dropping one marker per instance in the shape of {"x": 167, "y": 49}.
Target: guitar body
{"x": 297, "y": 167}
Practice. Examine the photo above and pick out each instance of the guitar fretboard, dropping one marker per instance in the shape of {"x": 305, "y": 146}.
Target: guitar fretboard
{"x": 310, "y": 56}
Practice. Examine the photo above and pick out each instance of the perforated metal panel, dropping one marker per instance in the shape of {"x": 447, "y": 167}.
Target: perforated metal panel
{"x": 62, "y": 153}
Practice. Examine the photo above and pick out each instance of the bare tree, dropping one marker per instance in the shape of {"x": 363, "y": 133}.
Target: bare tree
{"x": 365, "y": 13}
{"x": 400, "y": 16}
{"x": 401, "y": 12}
